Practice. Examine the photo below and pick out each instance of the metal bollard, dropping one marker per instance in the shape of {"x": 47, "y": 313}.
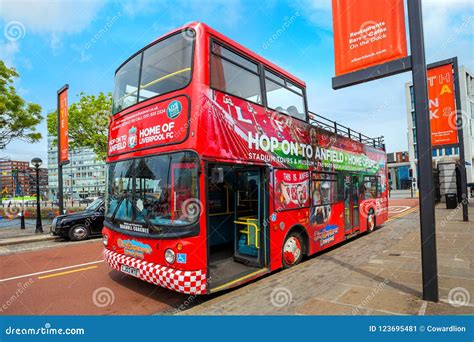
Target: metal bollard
{"x": 22, "y": 220}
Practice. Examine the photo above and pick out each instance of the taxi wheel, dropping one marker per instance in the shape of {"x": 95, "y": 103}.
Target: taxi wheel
{"x": 78, "y": 232}
{"x": 292, "y": 250}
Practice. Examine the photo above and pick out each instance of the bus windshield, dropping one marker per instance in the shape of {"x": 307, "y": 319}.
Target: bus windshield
{"x": 159, "y": 69}
{"x": 155, "y": 191}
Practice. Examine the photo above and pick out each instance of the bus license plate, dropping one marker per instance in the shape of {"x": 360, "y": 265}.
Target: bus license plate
{"x": 129, "y": 270}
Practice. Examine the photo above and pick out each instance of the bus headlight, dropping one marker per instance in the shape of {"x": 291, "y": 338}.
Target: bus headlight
{"x": 105, "y": 240}
{"x": 169, "y": 256}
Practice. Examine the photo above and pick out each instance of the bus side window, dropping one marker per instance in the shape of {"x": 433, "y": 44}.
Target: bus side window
{"x": 235, "y": 75}
{"x": 284, "y": 96}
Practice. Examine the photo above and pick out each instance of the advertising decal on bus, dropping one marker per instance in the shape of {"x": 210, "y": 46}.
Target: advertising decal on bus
{"x": 236, "y": 128}
{"x": 291, "y": 189}
{"x": 157, "y": 125}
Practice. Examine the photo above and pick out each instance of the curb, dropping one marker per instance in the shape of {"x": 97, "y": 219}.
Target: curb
{"x": 22, "y": 240}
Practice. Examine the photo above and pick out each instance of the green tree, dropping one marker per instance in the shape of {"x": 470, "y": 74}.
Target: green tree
{"x": 18, "y": 119}
{"x": 88, "y": 123}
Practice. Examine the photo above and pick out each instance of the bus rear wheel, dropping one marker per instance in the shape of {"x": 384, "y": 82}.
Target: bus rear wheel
{"x": 371, "y": 221}
{"x": 292, "y": 250}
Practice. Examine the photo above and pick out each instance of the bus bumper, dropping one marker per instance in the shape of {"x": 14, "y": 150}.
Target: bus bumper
{"x": 190, "y": 282}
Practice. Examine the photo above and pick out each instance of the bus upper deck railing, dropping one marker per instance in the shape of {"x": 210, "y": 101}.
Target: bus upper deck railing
{"x": 333, "y": 126}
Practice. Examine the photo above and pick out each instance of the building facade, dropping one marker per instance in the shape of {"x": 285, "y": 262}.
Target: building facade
{"x": 443, "y": 156}
{"x": 18, "y": 178}
{"x": 83, "y": 177}
{"x": 399, "y": 174}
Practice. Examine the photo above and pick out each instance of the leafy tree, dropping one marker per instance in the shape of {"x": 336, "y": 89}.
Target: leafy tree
{"x": 88, "y": 123}
{"x": 18, "y": 119}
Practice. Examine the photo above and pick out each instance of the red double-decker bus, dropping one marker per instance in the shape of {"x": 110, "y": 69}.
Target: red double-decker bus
{"x": 219, "y": 174}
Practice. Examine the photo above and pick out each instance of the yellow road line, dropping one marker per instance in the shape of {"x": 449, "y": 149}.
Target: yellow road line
{"x": 406, "y": 212}
{"x": 67, "y": 272}
{"x": 262, "y": 270}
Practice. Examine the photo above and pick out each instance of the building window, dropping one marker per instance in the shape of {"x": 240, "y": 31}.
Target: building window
{"x": 449, "y": 151}
{"x": 434, "y": 152}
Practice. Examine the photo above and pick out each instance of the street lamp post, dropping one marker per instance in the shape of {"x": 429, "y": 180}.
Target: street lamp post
{"x": 37, "y": 163}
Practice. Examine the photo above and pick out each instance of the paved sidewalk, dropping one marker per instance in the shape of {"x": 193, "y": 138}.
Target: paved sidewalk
{"x": 374, "y": 274}
{"x": 10, "y": 232}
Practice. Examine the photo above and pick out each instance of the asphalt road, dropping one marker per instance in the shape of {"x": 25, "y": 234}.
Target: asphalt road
{"x": 66, "y": 278}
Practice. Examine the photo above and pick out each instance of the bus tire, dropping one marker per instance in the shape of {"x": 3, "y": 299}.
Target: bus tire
{"x": 78, "y": 232}
{"x": 292, "y": 251}
{"x": 371, "y": 222}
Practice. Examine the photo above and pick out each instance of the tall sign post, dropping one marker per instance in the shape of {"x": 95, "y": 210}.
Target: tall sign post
{"x": 63, "y": 141}
{"x": 446, "y": 115}
{"x": 370, "y": 43}
{"x": 462, "y": 156}
{"x": 429, "y": 260}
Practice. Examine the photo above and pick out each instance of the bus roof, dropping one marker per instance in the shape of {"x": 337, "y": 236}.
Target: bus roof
{"x": 202, "y": 27}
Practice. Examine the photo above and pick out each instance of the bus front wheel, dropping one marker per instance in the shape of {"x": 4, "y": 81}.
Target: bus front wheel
{"x": 292, "y": 250}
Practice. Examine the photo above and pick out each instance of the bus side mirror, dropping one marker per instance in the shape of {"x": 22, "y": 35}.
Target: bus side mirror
{"x": 217, "y": 175}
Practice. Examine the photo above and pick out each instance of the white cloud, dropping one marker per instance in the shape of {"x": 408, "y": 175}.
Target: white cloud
{"x": 8, "y": 52}
{"x": 52, "y": 19}
{"x": 52, "y": 16}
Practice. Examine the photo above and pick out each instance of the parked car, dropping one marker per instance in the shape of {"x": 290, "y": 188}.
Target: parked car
{"x": 81, "y": 225}
{"x": 86, "y": 200}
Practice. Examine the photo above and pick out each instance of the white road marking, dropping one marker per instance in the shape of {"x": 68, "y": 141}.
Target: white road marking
{"x": 49, "y": 271}
{"x": 397, "y": 209}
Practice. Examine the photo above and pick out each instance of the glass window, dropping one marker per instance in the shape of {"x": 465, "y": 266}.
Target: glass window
{"x": 232, "y": 77}
{"x": 284, "y": 97}
{"x": 434, "y": 152}
{"x": 370, "y": 187}
{"x": 119, "y": 186}
{"x": 166, "y": 67}
{"x": 449, "y": 151}
{"x": 126, "y": 85}
{"x": 235, "y": 58}
{"x": 324, "y": 189}
{"x": 160, "y": 190}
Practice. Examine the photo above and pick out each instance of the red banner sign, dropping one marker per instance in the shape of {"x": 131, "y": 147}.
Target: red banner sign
{"x": 367, "y": 33}
{"x": 163, "y": 123}
{"x": 63, "y": 129}
{"x": 291, "y": 189}
{"x": 442, "y": 106}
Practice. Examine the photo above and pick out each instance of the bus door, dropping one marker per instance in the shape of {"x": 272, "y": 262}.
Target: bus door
{"x": 250, "y": 206}
{"x": 351, "y": 203}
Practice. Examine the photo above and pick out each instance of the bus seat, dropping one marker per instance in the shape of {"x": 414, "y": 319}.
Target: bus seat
{"x": 293, "y": 111}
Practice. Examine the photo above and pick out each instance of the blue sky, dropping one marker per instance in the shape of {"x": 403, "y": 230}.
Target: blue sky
{"x": 83, "y": 42}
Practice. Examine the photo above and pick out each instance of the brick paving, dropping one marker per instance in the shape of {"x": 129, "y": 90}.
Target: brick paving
{"x": 374, "y": 274}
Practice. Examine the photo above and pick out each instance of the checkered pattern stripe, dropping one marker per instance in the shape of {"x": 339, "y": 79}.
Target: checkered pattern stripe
{"x": 190, "y": 282}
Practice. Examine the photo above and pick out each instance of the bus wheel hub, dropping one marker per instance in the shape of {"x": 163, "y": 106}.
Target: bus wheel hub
{"x": 292, "y": 250}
